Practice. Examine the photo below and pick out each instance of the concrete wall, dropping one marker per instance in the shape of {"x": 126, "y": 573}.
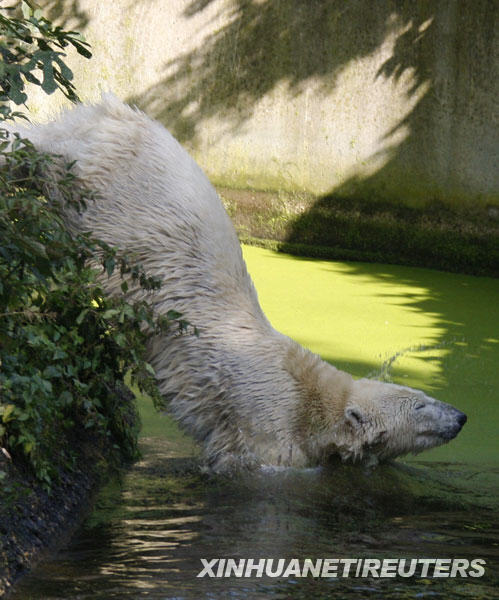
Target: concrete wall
{"x": 382, "y": 99}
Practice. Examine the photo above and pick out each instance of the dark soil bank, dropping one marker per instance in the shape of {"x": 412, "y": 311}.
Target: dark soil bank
{"x": 35, "y": 521}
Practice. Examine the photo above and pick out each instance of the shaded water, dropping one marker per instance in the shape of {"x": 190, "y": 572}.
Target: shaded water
{"x": 148, "y": 532}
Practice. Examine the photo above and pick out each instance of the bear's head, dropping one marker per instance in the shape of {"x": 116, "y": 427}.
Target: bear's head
{"x": 363, "y": 420}
{"x": 384, "y": 420}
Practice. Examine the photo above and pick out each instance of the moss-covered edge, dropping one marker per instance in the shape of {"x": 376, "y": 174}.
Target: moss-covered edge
{"x": 34, "y": 520}
{"x": 464, "y": 240}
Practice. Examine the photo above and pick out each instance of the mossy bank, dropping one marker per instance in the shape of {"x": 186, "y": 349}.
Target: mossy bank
{"x": 463, "y": 240}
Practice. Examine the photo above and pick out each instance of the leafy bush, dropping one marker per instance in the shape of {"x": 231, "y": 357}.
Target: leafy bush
{"x": 31, "y": 51}
{"x": 64, "y": 345}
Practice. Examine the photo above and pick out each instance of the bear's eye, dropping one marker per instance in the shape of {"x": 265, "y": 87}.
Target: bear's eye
{"x": 354, "y": 415}
{"x": 419, "y": 406}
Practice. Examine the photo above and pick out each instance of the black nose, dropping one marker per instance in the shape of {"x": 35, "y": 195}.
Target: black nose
{"x": 461, "y": 419}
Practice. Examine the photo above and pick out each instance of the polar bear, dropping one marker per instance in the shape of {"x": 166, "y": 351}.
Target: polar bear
{"x": 250, "y": 395}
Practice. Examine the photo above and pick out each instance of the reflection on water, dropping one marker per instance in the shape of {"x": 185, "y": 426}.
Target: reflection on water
{"x": 148, "y": 533}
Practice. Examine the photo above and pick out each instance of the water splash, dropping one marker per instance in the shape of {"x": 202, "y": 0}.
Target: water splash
{"x": 384, "y": 372}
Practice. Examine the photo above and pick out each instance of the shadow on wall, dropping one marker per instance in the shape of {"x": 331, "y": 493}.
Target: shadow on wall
{"x": 448, "y": 47}
{"x": 67, "y": 14}
{"x": 267, "y": 42}
{"x": 451, "y": 141}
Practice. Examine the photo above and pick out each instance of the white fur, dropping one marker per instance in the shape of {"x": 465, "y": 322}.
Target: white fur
{"x": 251, "y": 395}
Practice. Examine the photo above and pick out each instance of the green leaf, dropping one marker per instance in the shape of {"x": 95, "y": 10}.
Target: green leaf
{"x": 28, "y": 447}
{"x": 52, "y": 371}
{"x": 173, "y": 314}
{"x": 7, "y": 412}
{"x": 59, "y": 353}
{"x": 66, "y": 397}
{"x": 34, "y": 246}
{"x": 120, "y": 339}
{"x": 65, "y": 70}
{"x": 109, "y": 265}
{"x": 81, "y": 316}
{"x": 48, "y": 84}
{"x": 16, "y": 94}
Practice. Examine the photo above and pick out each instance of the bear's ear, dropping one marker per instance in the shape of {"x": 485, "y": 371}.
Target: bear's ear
{"x": 354, "y": 416}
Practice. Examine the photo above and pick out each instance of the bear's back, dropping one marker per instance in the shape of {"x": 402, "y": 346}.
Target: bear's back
{"x": 152, "y": 200}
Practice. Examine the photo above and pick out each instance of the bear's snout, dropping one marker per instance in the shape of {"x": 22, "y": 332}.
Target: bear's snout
{"x": 439, "y": 422}
{"x": 460, "y": 420}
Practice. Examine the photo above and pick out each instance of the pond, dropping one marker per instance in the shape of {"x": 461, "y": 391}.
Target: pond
{"x": 436, "y": 331}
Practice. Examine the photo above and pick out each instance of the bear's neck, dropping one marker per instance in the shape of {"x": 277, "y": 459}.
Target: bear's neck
{"x": 323, "y": 392}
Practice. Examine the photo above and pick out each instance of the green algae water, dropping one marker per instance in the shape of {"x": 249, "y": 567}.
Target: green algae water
{"x": 436, "y": 331}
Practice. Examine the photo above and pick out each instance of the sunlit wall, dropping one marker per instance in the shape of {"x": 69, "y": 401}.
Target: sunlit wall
{"x": 386, "y": 99}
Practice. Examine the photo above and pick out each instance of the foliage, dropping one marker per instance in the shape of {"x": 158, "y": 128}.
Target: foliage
{"x": 31, "y": 52}
{"x": 64, "y": 345}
